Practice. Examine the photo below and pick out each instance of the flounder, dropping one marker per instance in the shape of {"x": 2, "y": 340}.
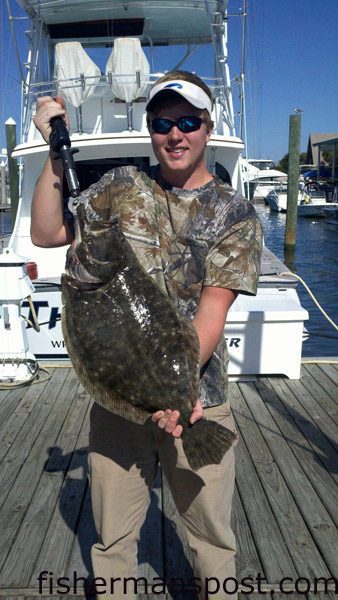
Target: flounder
{"x": 131, "y": 349}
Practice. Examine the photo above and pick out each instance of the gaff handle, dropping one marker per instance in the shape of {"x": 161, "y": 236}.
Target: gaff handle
{"x": 60, "y": 143}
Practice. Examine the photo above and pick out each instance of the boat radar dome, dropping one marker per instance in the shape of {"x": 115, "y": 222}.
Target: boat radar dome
{"x": 189, "y": 91}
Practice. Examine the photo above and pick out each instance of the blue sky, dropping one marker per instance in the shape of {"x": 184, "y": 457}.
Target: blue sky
{"x": 291, "y": 62}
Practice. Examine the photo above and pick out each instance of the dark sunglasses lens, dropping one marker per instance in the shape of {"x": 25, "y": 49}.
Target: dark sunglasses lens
{"x": 185, "y": 124}
{"x": 161, "y": 125}
{"x": 188, "y": 124}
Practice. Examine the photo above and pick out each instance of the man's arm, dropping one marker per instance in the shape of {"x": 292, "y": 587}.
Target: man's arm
{"x": 210, "y": 318}
{"x": 48, "y": 228}
{"x": 209, "y": 322}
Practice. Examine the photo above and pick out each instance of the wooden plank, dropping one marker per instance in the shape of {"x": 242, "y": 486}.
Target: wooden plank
{"x": 316, "y": 472}
{"x": 319, "y": 375}
{"x": 323, "y": 595}
{"x": 58, "y": 596}
{"x": 305, "y": 555}
{"x": 11, "y": 426}
{"x": 311, "y": 380}
{"x": 9, "y": 400}
{"x": 270, "y": 545}
{"x": 321, "y": 418}
{"x": 294, "y": 399}
{"x": 247, "y": 560}
{"x": 33, "y": 595}
{"x": 15, "y": 458}
{"x": 80, "y": 558}
{"x": 80, "y": 593}
{"x": 316, "y": 517}
{"x": 25, "y": 548}
{"x": 19, "y": 497}
{"x": 72, "y": 475}
{"x": 317, "y": 440}
{"x": 13, "y": 597}
{"x": 331, "y": 371}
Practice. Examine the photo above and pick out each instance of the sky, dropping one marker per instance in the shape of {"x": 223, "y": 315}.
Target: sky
{"x": 291, "y": 61}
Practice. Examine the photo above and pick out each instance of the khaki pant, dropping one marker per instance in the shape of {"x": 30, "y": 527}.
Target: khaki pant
{"x": 123, "y": 463}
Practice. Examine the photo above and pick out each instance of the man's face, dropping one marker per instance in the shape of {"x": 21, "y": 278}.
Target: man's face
{"x": 180, "y": 155}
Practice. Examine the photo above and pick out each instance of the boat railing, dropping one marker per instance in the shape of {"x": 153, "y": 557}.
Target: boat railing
{"x": 102, "y": 89}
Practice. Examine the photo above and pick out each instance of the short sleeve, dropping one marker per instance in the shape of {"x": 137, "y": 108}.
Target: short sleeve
{"x": 233, "y": 262}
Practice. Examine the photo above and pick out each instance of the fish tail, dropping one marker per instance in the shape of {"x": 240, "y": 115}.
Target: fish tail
{"x": 206, "y": 442}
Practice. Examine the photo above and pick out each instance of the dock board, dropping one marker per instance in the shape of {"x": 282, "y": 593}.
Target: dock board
{"x": 285, "y": 508}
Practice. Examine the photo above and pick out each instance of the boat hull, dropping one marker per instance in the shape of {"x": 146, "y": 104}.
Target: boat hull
{"x": 314, "y": 209}
{"x": 264, "y": 333}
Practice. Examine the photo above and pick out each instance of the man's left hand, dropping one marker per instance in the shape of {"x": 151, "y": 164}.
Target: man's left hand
{"x": 168, "y": 419}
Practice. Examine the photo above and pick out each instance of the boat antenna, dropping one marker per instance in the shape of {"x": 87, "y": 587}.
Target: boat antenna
{"x": 11, "y": 19}
{"x": 242, "y": 122}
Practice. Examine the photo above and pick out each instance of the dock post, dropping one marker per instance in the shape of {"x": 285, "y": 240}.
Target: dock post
{"x": 4, "y": 198}
{"x": 13, "y": 169}
{"x": 293, "y": 181}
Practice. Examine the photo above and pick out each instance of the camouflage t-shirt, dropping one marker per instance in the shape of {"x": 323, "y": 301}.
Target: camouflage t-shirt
{"x": 187, "y": 239}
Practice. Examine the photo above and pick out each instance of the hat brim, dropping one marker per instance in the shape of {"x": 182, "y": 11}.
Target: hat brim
{"x": 164, "y": 94}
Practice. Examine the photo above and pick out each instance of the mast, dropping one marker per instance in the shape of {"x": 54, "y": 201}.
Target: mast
{"x": 242, "y": 122}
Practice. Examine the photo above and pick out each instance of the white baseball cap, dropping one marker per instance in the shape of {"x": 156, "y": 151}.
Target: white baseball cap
{"x": 189, "y": 91}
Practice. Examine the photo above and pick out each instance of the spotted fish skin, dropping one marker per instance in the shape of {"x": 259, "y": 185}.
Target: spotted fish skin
{"x": 131, "y": 349}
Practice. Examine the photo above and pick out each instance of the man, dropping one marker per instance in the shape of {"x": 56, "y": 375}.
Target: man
{"x": 201, "y": 242}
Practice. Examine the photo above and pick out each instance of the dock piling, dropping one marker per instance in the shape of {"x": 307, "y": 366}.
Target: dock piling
{"x": 4, "y": 198}
{"x": 13, "y": 169}
{"x": 293, "y": 181}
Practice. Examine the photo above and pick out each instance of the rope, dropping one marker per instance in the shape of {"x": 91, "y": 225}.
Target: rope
{"x": 11, "y": 383}
{"x": 319, "y": 361}
{"x": 287, "y": 274}
{"x": 35, "y": 323}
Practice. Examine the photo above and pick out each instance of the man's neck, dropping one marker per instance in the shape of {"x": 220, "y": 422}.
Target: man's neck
{"x": 187, "y": 181}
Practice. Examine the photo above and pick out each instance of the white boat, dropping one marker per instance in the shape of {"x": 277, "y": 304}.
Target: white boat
{"x": 71, "y": 53}
{"x": 315, "y": 202}
{"x": 277, "y": 198}
{"x": 266, "y": 181}
{"x": 262, "y": 177}
{"x": 331, "y": 214}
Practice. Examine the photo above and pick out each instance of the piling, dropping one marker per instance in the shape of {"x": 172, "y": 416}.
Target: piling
{"x": 293, "y": 181}
{"x": 13, "y": 169}
{"x": 3, "y": 183}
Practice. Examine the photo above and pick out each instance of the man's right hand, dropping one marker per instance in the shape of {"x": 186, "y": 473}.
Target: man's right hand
{"x": 47, "y": 108}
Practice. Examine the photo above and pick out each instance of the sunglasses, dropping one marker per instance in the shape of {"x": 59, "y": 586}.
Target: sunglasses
{"x": 184, "y": 124}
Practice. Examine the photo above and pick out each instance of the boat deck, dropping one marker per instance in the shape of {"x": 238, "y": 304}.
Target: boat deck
{"x": 285, "y": 506}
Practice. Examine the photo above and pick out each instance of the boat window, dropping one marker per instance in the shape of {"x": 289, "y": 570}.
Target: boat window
{"x": 90, "y": 171}
{"x": 106, "y": 28}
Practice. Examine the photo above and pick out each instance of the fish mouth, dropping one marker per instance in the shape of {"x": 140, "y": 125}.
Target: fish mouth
{"x": 79, "y": 275}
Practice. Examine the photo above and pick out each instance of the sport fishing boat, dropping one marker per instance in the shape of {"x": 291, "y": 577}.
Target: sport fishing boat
{"x": 103, "y": 56}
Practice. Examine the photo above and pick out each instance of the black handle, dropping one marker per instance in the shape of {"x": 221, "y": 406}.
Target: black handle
{"x": 59, "y": 141}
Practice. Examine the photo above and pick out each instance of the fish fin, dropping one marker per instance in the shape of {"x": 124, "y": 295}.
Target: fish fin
{"x": 206, "y": 442}
{"x": 106, "y": 398}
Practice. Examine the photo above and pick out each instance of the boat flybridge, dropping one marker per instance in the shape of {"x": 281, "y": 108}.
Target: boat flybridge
{"x": 102, "y": 56}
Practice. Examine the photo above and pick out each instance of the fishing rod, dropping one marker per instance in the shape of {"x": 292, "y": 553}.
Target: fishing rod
{"x": 60, "y": 143}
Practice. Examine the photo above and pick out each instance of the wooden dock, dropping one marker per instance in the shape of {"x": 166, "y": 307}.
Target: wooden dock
{"x": 285, "y": 507}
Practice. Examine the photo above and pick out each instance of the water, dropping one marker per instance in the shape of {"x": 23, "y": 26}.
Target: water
{"x": 315, "y": 260}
